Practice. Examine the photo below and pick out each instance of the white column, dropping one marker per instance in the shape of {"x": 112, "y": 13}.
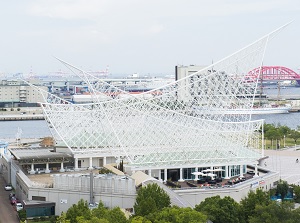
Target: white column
{"x": 165, "y": 175}
{"x": 104, "y": 161}
{"x": 32, "y": 169}
{"x": 181, "y": 175}
{"x": 62, "y": 167}
{"x": 241, "y": 171}
{"x": 255, "y": 171}
{"x": 149, "y": 172}
{"x": 263, "y": 143}
{"x": 159, "y": 174}
{"x": 196, "y": 176}
{"x": 76, "y": 164}
{"x": 47, "y": 168}
{"x": 91, "y": 163}
{"x": 226, "y": 173}
{"x": 212, "y": 167}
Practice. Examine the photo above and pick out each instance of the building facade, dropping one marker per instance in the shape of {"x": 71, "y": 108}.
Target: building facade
{"x": 16, "y": 93}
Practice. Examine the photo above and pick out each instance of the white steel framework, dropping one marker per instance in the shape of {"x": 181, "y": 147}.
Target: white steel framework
{"x": 171, "y": 126}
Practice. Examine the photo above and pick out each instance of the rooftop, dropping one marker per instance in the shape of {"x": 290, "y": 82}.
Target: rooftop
{"x": 39, "y": 155}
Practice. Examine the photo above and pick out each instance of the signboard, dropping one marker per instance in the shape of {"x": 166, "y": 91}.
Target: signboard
{"x": 254, "y": 185}
{"x": 63, "y": 201}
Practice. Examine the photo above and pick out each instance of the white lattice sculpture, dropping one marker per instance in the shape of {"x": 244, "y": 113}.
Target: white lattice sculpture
{"x": 180, "y": 124}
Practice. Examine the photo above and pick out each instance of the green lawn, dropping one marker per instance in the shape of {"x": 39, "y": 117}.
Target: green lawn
{"x": 289, "y": 142}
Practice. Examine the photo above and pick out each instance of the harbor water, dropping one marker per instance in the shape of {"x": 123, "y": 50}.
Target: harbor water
{"x": 39, "y": 128}
{"x": 291, "y": 120}
{"x": 25, "y": 129}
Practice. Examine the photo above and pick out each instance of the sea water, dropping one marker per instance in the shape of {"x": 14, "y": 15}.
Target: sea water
{"x": 39, "y": 128}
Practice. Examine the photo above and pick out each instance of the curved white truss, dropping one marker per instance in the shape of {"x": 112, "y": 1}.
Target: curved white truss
{"x": 180, "y": 124}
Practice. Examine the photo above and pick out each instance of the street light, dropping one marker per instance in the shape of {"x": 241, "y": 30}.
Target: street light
{"x": 283, "y": 141}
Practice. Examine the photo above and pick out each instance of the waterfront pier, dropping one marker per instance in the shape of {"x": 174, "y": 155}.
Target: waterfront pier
{"x": 21, "y": 117}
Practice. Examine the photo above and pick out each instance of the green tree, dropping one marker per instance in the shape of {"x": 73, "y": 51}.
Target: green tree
{"x": 100, "y": 211}
{"x": 284, "y": 130}
{"x": 139, "y": 219}
{"x": 81, "y": 219}
{"x": 296, "y": 190}
{"x": 295, "y": 135}
{"x": 150, "y": 199}
{"x": 22, "y": 214}
{"x": 295, "y": 215}
{"x": 93, "y": 220}
{"x": 273, "y": 134}
{"x": 115, "y": 215}
{"x": 267, "y": 127}
{"x": 98, "y": 220}
{"x": 249, "y": 203}
{"x": 273, "y": 213}
{"x": 220, "y": 210}
{"x": 77, "y": 210}
{"x": 178, "y": 215}
{"x": 63, "y": 218}
{"x": 121, "y": 165}
{"x": 282, "y": 189}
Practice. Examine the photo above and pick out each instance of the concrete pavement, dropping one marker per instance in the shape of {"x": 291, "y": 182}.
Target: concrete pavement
{"x": 284, "y": 162}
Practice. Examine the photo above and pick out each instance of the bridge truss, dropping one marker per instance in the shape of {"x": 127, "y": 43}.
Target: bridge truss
{"x": 169, "y": 126}
{"x": 269, "y": 73}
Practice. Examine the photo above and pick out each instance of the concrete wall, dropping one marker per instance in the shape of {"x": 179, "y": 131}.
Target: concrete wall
{"x": 183, "y": 92}
{"x": 64, "y": 199}
{"x": 5, "y": 168}
{"x": 123, "y": 194}
{"x": 237, "y": 192}
{"x": 20, "y": 93}
{"x": 14, "y": 170}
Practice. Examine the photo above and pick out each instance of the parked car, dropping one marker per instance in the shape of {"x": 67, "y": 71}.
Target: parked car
{"x": 8, "y": 187}
{"x": 19, "y": 206}
{"x": 11, "y": 195}
{"x": 251, "y": 172}
{"x": 229, "y": 182}
{"x": 13, "y": 200}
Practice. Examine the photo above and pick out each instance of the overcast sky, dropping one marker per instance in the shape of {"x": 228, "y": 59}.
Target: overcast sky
{"x": 147, "y": 37}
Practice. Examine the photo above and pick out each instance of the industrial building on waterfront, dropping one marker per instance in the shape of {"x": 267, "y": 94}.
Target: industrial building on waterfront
{"x": 16, "y": 93}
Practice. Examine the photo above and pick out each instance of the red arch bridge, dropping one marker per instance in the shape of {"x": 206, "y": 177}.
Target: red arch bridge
{"x": 271, "y": 73}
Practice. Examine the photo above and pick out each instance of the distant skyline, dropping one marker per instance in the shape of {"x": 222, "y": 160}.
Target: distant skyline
{"x": 145, "y": 37}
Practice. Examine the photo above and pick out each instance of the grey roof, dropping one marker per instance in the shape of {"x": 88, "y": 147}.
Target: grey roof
{"x": 35, "y": 203}
{"x": 39, "y": 155}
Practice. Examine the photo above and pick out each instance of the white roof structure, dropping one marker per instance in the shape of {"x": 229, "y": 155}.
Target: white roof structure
{"x": 140, "y": 177}
{"x": 172, "y": 128}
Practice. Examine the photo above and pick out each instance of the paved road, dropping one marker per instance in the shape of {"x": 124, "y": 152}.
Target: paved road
{"x": 284, "y": 162}
{"x": 7, "y": 212}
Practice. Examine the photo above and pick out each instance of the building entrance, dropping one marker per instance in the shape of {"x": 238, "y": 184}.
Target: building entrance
{"x": 173, "y": 174}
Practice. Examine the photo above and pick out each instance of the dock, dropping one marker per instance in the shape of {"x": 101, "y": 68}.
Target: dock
{"x": 21, "y": 117}
{"x": 295, "y": 110}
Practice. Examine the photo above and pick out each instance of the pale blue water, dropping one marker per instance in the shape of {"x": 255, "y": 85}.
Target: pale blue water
{"x": 291, "y": 120}
{"x": 30, "y": 129}
{"x": 284, "y": 91}
{"x": 39, "y": 128}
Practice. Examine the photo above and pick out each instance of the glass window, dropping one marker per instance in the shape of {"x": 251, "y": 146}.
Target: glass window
{"x": 187, "y": 173}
